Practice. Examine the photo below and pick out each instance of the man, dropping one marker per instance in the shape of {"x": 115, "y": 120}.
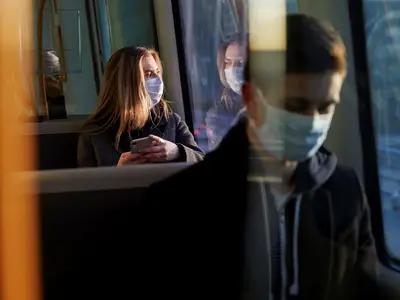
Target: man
{"x": 270, "y": 214}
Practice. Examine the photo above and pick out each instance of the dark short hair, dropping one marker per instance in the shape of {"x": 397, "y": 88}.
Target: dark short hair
{"x": 312, "y": 46}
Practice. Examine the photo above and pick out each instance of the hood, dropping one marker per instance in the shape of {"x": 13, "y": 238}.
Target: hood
{"x": 315, "y": 171}
{"x": 308, "y": 175}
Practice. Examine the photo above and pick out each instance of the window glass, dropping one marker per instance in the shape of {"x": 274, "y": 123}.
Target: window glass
{"x": 119, "y": 23}
{"x": 383, "y": 43}
{"x": 132, "y": 23}
{"x": 79, "y": 89}
{"x": 214, "y": 69}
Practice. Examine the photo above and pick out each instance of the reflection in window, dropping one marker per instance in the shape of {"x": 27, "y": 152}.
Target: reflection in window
{"x": 215, "y": 39}
{"x": 383, "y": 38}
{"x": 71, "y": 43}
{"x": 53, "y": 86}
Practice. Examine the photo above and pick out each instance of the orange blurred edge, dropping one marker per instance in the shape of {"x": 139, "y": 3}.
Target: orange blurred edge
{"x": 19, "y": 241}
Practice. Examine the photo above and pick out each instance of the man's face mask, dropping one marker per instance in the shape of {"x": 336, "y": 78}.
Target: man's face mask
{"x": 155, "y": 89}
{"x": 234, "y": 77}
{"x": 290, "y": 136}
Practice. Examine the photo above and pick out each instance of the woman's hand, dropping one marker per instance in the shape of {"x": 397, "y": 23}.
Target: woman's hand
{"x": 162, "y": 151}
{"x": 128, "y": 158}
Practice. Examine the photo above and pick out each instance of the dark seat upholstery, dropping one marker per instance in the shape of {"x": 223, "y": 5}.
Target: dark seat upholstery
{"x": 57, "y": 142}
{"x": 88, "y": 230}
{"x": 57, "y": 151}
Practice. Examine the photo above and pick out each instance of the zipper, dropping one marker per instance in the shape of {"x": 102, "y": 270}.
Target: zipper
{"x": 282, "y": 237}
{"x": 264, "y": 203}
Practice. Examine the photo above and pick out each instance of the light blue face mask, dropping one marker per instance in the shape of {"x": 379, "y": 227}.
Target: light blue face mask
{"x": 290, "y": 136}
{"x": 155, "y": 89}
{"x": 234, "y": 77}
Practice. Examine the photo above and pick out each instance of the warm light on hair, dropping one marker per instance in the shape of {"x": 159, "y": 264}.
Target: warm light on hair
{"x": 240, "y": 39}
{"x": 123, "y": 97}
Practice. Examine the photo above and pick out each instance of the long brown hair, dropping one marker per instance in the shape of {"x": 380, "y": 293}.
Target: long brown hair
{"x": 234, "y": 39}
{"x": 123, "y": 96}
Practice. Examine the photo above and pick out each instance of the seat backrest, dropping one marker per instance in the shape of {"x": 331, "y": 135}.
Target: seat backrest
{"x": 57, "y": 151}
{"x": 57, "y": 143}
{"x": 87, "y": 228}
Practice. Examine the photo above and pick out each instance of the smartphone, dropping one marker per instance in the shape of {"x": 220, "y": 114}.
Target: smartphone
{"x": 139, "y": 144}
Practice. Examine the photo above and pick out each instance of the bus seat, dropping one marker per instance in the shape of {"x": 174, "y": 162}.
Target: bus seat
{"x": 57, "y": 142}
{"x": 87, "y": 236}
{"x": 57, "y": 151}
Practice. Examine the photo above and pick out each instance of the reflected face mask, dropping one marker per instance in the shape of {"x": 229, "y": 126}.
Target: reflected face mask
{"x": 290, "y": 136}
{"x": 234, "y": 77}
{"x": 155, "y": 89}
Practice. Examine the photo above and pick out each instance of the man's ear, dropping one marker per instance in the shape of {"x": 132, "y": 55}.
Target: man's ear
{"x": 248, "y": 94}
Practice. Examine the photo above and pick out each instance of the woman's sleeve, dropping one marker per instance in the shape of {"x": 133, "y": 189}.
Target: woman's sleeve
{"x": 218, "y": 122}
{"x": 86, "y": 155}
{"x": 184, "y": 139}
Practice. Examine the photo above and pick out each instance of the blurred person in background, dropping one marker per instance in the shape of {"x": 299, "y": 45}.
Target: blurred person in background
{"x": 55, "y": 97}
{"x": 51, "y": 70}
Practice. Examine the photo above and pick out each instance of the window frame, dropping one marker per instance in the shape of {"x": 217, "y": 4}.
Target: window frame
{"x": 186, "y": 87}
{"x": 180, "y": 46}
{"x": 96, "y": 47}
{"x": 367, "y": 131}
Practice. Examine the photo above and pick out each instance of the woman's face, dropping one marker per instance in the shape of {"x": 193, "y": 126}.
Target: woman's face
{"x": 235, "y": 56}
{"x": 234, "y": 66}
{"x": 154, "y": 83}
{"x": 150, "y": 68}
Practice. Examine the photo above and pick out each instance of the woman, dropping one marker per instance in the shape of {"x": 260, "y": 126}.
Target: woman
{"x": 131, "y": 106}
{"x": 230, "y": 62}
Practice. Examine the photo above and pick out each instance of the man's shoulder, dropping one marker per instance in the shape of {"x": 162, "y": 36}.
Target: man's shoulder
{"x": 198, "y": 178}
{"x": 183, "y": 176}
{"x": 346, "y": 179}
{"x": 347, "y": 195}
{"x": 193, "y": 177}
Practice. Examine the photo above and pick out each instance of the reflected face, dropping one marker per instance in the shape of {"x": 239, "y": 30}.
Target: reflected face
{"x": 235, "y": 56}
{"x": 150, "y": 67}
{"x": 314, "y": 94}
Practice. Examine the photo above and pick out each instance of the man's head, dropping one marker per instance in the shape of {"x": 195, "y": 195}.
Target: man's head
{"x": 302, "y": 95}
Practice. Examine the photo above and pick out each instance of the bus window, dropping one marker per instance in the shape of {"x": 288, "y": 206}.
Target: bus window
{"x": 215, "y": 42}
{"x": 79, "y": 85}
{"x": 382, "y": 33}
